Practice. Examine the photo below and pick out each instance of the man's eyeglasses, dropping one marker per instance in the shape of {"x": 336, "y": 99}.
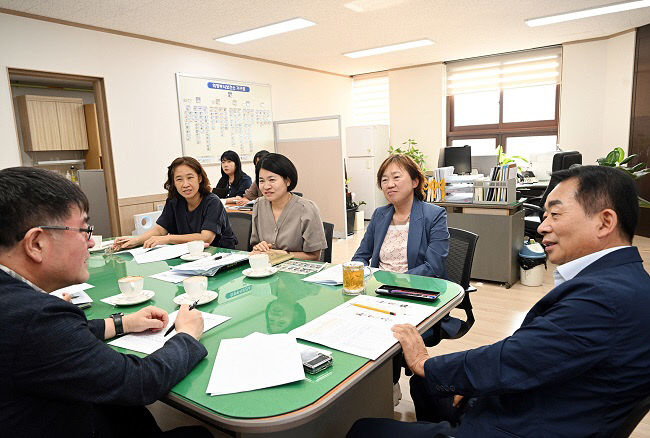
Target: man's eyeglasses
{"x": 88, "y": 231}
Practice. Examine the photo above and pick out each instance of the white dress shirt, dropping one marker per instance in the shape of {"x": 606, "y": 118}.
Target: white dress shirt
{"x": 570, "y": 269}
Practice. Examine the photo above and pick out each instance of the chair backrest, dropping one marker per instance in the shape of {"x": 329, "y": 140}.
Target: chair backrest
{"x": 297, "y": 194}
{"x": 633, "y": 418}
{"x": 462, "y": 245}
{"x": 326, "y": 254}
{"x": 564, "y": 160}
{"x": 242, "y": 224}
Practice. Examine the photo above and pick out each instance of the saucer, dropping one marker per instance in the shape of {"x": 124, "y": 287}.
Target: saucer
{"x": 252, "y": 274}
{"x": 121, "y": 300}
{"x": 206, "y": 298}
{"x": 191, "y": 258}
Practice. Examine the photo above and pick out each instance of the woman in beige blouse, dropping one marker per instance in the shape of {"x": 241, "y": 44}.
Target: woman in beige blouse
{"x": 282, "y": 221}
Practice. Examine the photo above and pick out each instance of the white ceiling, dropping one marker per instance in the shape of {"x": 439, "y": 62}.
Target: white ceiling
{"x": 460, "y": 28}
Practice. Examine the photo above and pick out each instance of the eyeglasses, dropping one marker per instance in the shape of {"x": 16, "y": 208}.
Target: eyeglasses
{"x": 88, "y": 231}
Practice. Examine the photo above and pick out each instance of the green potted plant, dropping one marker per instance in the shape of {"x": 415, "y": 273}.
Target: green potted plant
{"x": 410, "y": 149}
{"x": 505, "y": 159}
{"x": 616, "y": 158}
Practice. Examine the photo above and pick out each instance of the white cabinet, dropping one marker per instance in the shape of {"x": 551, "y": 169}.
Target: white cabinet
{"x": 367, "y": 141}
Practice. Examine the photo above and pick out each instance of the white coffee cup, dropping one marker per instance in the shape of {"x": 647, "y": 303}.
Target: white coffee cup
{"x": 98, "y": 241}
{"x": 131, "y": 286}
{"x": 195, "y": 287}
{"x": 195, "y": 247}
{"x": 259, "y": 262}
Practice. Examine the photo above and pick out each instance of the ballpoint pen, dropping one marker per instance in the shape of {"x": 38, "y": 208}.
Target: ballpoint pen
{"x": 321, "y": 267}
{"x": 174, "y": 324}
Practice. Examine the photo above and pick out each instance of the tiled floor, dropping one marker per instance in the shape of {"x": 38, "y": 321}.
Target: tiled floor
{"x": 498, "y": 313}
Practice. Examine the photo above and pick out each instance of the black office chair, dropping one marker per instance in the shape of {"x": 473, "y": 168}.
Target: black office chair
{"x": 564, "y": 160}
{"x": 326, "y": 254}
{"x": 297, "y": 194}
{"x": 462, "y": 245}
{"x": 633, "y": 418}
{"x": 242, "y": 225}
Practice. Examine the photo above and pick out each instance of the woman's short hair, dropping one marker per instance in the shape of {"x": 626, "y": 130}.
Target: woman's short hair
{"x": 234, "y": 157}
{"x": 278, "y": 164}
{"x": 406, "y": 163}
{"x": 204, "y": 185}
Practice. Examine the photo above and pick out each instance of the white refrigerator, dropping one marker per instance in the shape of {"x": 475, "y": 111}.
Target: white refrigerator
{"x": 367, "y": 148}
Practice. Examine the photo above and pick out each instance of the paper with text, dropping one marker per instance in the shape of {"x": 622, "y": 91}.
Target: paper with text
{"x": 361, "y": 331}
{"x": 163, "y": 253}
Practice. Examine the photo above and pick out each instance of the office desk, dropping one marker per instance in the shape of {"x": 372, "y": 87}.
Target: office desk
{"x": 322, "y": 405}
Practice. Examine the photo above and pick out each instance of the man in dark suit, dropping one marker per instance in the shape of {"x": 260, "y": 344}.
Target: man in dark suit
{"x": 57, "y": 377}
{"x": 581, "y": 358}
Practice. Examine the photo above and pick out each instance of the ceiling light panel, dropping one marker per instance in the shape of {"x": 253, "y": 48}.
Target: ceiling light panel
{"x": 266, "y": 31}
{"x": 387, "y": 49}
{"x": 591, "y": 12}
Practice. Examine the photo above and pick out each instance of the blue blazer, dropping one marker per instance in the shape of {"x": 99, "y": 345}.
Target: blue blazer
{"x": 575, "y": 367}
{"x": 428, "y": 240}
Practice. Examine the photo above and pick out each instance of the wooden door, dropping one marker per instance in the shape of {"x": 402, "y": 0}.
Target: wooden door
{"x": 640, "y": 121}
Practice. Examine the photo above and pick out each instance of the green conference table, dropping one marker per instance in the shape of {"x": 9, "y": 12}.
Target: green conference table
{"x": 325, "y": 404}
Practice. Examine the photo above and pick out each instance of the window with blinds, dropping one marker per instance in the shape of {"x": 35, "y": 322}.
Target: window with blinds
{"x": 370, "y": 101}
{"x": 510, "y": 100}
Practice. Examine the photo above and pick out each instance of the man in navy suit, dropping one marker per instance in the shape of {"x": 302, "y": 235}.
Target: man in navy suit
{"x": 57, "y": 377}
{"x": 581, "y": 358}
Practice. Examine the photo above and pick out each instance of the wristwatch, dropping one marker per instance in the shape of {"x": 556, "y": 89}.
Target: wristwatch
{"x": 117, "y": 320}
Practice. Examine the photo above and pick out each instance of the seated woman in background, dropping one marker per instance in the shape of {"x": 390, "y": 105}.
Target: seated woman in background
{"x": 282, "y": 221}
{"x": 234, "y": 181}
{"x": 407, "y": 235}
{"x": 253, "y": 192}
{"x": 191, "y": 212}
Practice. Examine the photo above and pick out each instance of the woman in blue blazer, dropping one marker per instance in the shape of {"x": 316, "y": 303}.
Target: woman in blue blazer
{"x": 407, "y": 235}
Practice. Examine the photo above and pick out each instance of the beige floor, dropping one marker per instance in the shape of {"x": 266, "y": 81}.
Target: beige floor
{"x": 498, "y": 313}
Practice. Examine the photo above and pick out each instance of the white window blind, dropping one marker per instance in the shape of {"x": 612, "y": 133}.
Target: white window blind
{"x": 370, "y": 101}
{"x": 522, "y": 69}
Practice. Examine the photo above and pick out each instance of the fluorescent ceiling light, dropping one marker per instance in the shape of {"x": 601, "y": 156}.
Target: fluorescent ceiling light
{"x": 265, "y": 31}
{"x": 391, "y": 48}
{"x": 592, "y": 12}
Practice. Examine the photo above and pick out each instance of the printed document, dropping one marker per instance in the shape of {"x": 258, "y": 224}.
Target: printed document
{"x": 254, "y": 362}
{"x": 148, "y": 342}
{"x": 362, "y": 326}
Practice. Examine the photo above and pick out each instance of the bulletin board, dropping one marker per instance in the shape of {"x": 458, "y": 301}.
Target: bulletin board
{"x": 217, "y": 115}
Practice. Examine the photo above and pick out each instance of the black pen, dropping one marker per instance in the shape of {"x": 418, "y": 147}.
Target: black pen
{"x": 174, "y": 324}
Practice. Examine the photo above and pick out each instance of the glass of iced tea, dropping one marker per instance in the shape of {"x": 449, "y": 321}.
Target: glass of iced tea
{"x": 353, "y": 278}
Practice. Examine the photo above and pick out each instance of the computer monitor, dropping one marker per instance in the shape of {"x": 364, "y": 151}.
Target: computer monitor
{"x": 460, "y": 157}
{"x": 484, "y": 163}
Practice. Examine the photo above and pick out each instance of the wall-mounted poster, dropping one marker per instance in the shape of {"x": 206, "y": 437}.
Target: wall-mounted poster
{"x": 217, "y": 115}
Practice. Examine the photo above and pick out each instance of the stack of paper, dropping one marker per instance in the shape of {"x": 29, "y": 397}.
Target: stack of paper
{"x": 148, "y": 342}
{"x": 77, "y": 293}
{"x": 362, "y": 326}
{"x": 207, "y": 266}
{"x": 254, "y": 362}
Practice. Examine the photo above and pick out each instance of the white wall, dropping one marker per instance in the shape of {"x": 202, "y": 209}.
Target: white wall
{"x": 417, "y": 109}
{"x": 596, "y": 96}
{"x": 141, "y": 91}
